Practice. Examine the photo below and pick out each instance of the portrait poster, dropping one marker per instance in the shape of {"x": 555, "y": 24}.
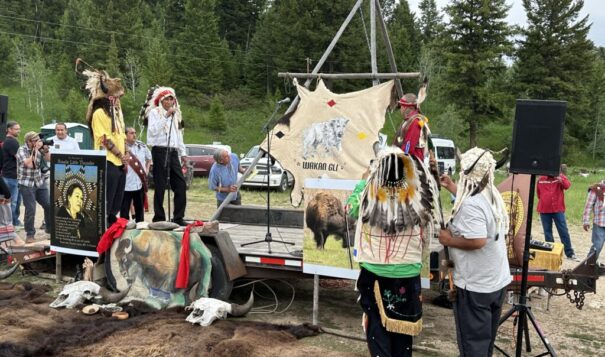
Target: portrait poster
{"x": 77, "y": 191}
{"x": 326, "y": 249}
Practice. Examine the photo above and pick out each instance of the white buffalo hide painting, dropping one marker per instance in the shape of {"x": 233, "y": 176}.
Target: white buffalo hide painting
{"x": 330, "y": 135}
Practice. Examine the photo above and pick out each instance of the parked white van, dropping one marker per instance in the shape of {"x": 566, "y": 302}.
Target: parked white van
{"x": 445, "y": 153}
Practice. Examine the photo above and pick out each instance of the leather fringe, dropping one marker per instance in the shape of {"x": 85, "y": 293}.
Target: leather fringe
{"x": 394, "y": 325}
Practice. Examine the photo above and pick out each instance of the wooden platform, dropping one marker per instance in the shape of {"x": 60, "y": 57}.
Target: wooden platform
{"x": 244, "y": 233}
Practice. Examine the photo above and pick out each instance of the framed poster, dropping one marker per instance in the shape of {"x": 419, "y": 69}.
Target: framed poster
{"x": 77, "y": 191}
{"x": 328, "y": 234}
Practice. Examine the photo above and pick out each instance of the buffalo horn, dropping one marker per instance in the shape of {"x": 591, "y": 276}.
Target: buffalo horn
{"x": 504, "y": 159}
{"x": 102, "y": 85}
{"x": 8, "y": 272}
{"x": 193, "y": 292}
{"x": 109, "y": 296}
{"x": 242, "y": 310}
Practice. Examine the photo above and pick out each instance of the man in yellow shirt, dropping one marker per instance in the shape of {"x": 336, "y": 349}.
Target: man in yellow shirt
{"x": 106, "y": 122}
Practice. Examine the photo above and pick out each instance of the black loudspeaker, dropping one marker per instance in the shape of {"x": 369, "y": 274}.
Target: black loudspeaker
{"x": 3, "y": 116}
{"x": 538, "y": 137}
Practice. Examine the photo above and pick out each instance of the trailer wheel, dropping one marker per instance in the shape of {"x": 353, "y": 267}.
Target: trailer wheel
{"x": 220, "y": 285}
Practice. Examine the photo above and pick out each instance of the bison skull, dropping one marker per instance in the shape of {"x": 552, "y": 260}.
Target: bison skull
{"x": 76, "y": 293}
{"x": 206, "y": 310}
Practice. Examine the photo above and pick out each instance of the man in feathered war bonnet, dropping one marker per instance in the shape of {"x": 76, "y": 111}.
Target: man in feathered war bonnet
{"x": 413, "y": 134}
{"x": 396, "y": 207}
{"x": 165, "y": 136}
{"x": 476, "y": 237}
{"x": 106, "y": 124}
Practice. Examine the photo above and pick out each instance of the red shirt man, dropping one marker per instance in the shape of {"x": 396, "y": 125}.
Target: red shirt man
{"x": 410, "y": 134}
{"x": 551, "y": 206}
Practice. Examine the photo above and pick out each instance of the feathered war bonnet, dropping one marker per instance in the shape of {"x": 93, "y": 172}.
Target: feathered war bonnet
{"x": 400, "y": 193}
{"x": 155, "y": 95}
{"x": 104, "y": 92}
{"x": 477, "y": 177}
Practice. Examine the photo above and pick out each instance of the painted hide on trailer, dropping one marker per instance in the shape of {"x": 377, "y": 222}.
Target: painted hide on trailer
{"x": 150, "y": 260}
{"x": 329, "y": 135}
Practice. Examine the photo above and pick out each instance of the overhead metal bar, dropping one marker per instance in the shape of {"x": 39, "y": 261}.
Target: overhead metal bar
{"x": 349, "y": 75}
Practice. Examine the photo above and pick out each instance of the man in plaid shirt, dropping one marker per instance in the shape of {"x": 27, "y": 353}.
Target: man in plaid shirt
{"x": 594, "y": 203}
{"x": 31, "y": 182}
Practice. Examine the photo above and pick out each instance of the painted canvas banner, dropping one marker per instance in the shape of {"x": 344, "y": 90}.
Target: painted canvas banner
{"x": 77, "y": 191}
{"x": 329, "y": 135}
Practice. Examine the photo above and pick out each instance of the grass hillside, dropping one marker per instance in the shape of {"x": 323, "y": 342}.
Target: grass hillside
{"x": 243, "y": 127}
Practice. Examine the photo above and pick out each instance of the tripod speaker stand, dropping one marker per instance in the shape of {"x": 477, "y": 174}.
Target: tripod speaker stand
{"x": 267, "y": 129}
{"x": 536, "y": 150}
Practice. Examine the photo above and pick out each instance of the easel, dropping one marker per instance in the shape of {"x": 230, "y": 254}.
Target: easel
{"x": 375, "y": 13}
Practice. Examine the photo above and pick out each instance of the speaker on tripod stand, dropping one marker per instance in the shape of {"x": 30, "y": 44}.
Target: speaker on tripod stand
{"x": 536, "y": 150}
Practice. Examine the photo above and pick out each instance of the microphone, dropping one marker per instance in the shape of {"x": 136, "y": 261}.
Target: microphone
{"x": 284, "y": 101}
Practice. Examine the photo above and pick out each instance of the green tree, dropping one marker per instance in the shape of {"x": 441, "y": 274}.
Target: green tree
{"x": 477, "y": 40}
{"x": 555, "y": 60}
{"x": 216, "y": 115}
{"x": 199, "y": 64}
{"x": 237, "y": 21}
{"x": 158, "y": 68}
{"x": 430, "y": 22}
{"x": 405, "y": 38}
{"x": 293, "y": 35}
{"x": 112, "y": 62}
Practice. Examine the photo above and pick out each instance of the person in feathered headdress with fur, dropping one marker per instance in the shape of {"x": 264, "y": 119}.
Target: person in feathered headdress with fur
{"x": 397, "y": 210}
{"x": 476, "y": 237}
{"x": 106, "y": 123}
{"x": 165, "y": 136}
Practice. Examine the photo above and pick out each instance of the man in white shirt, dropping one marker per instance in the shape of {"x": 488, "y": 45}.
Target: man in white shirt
{"x": 134, "y": 191}
{"x": 476, "y": 237}
{"x": 165, "y": 137}
{"x": 62, "y": 141}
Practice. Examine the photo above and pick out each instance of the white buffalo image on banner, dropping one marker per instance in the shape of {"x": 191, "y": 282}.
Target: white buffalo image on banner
{"x": 330, "y": 135}
{"x": 324, "y": 138}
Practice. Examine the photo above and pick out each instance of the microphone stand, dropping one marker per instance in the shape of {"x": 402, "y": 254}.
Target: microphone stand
{"x": 267, "y": 130}
{"x": 166, "y": 163}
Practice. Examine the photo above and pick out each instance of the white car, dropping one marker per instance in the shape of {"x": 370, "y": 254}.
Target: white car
{"x": 278, "y": 178}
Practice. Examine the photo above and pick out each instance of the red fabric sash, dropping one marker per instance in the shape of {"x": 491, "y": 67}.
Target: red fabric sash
{"x": 182, "y": 277}
{"x": 115, "y": 231}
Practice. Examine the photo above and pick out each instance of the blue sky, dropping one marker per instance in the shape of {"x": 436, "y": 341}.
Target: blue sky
{"x": 516, "y": 15}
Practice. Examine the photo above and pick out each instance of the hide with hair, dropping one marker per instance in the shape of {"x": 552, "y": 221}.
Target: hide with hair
{"x": 329, "y": 135}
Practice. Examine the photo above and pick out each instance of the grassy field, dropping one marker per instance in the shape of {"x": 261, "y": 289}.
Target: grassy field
{"x": 202, "y": 200}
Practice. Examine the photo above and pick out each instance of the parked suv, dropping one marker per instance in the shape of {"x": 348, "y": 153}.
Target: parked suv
{"x": 278, "y": 178}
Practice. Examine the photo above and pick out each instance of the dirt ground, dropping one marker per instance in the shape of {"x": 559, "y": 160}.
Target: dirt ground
{"x": 31, "y": 328}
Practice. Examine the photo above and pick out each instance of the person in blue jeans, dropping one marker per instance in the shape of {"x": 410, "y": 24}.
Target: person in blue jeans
{"x": 10, "y": 146}
{"x": 551, "y": 206}
{"x": 594, "y": 204}
{"x": 31, "y": 182}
